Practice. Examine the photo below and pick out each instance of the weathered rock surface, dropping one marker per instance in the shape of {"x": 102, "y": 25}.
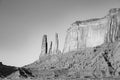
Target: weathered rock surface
{"x": 56, "y": 49}
{"x": 93, "y": 32}
{"x": 56, "y": 42}
{"x": 44, "y": 46}
{"x": 98, "y": 63}
{"x": 50, "y": 49}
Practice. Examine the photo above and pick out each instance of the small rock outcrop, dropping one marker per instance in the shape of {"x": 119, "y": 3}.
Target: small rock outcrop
{"x": 93, "y": 32}
{"x": 44, "y": 46}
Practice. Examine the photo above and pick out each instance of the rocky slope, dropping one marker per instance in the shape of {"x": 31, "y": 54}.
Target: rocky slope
{"x": 6, "y": 70}
{"x": 101, "y": 62}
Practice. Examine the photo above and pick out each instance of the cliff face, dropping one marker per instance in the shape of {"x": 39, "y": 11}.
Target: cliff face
{"x": 93, "y": 32}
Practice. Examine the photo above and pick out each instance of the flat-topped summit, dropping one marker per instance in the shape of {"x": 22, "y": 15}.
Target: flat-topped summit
{"x": 111, "y": 12}
{"x": 85, "y": 21}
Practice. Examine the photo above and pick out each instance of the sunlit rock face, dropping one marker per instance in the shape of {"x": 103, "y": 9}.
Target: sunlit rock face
{"x": 93, "y": 32}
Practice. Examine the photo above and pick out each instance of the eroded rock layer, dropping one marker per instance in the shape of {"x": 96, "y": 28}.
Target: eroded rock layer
{"x": 93, "y": 32}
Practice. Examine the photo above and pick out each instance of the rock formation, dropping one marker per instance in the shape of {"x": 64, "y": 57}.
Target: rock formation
{"x": 92, "y": 53}
{"x": 50, "y": 49}
{"x": 6, "y": 70}
{"x": 56, "y": 49}
{"x": 44, "y": 45}
{"x": 93, "y": 32}
{"x": 56, "y": 42}
{"x": 114, "y": 25}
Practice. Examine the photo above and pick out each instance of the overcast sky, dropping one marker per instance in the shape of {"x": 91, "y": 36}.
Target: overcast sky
{"x": 23, "y": 23}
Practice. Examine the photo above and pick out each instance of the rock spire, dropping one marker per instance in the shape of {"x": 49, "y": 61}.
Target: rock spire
{"x": 50, "y": 49}
{"x": 56, "y": 41}
{"x": 56, "y": 49}
{"x": 44, "y": 46}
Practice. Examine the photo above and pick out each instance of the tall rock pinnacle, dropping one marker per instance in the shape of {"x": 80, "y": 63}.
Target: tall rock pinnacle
{"x": 93, "y": 32}
{"x": 50, "y": 49}
{"x": 56, "y": 49}
{"x": 56, "y": 42}
{"x": 44, "y": 45}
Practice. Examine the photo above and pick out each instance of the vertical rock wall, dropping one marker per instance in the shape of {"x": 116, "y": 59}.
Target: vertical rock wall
{"x": 93, "y": 32}
{"x": 114, "y": 25}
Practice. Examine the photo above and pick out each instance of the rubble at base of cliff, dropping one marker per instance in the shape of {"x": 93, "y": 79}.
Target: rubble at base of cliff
{"x": 98, "y": 63}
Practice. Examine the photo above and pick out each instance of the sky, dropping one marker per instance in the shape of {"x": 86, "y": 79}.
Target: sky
{"x": 24, "y": 22}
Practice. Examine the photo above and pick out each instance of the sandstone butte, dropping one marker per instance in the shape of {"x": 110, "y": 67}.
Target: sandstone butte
{"x": 93, "y": 32}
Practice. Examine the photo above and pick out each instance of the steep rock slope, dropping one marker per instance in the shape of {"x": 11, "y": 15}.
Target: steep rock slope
{"x": 93, "y": 32}
{"x": 6, "y": 70}
{"x": 13, "y": 72}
